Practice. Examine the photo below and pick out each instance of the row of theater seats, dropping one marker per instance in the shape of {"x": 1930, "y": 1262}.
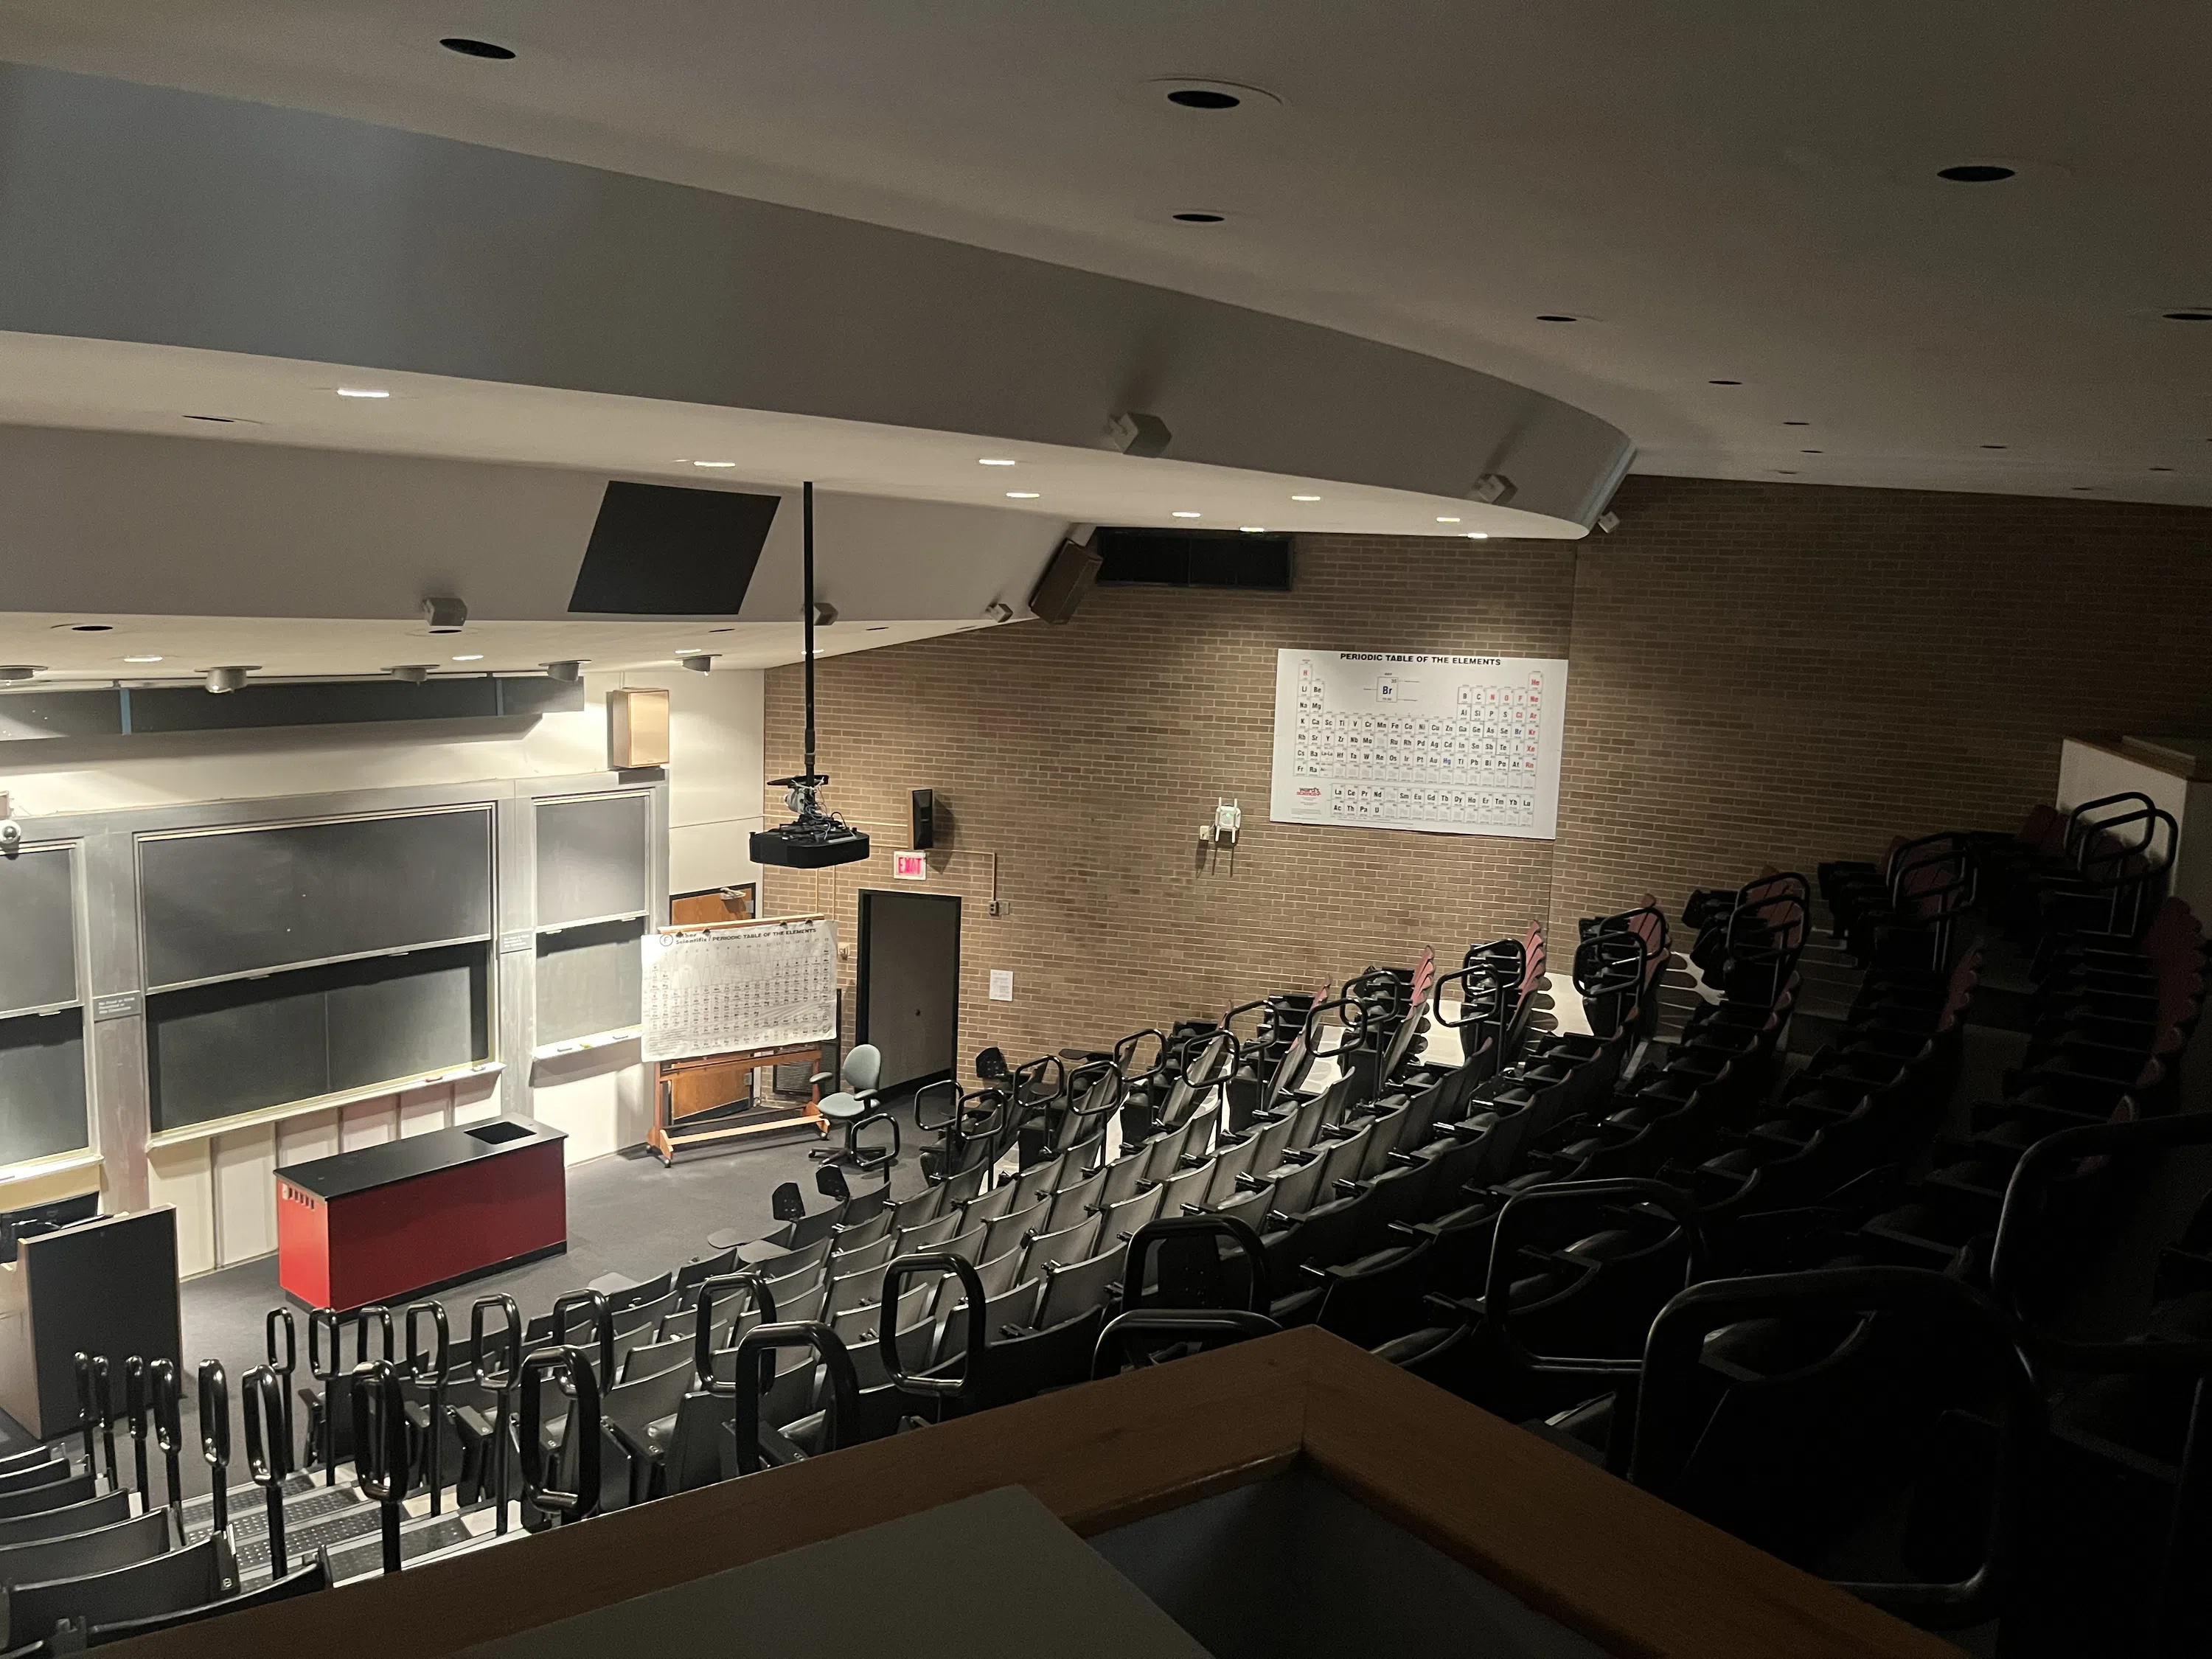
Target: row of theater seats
{"x": 1766, "y": 1284}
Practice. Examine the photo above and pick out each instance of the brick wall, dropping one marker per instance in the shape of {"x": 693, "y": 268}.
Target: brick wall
{"x": 1758, "y": 672}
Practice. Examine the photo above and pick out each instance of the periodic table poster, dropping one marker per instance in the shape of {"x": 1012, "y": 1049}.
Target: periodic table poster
{"x": 759, "y": 985}
{"x": 1390, "y": 740}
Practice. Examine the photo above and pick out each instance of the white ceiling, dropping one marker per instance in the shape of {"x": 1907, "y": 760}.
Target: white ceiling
{"x": 1735, "y": 191}
{"x": 54, "y": 380}
{"x": 308, "y": 647}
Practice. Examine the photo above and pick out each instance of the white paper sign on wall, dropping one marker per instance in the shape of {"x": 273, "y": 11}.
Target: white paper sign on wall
{"x": 1395, "y": 741}
{"x": 1002, "y": 985}
{"x": 910, "y": 866}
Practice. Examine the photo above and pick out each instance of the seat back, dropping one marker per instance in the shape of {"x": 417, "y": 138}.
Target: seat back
{"x": 1073, "y": 1200}
{"x": 94, "y": 1513}
{"x": 863, "y": 1068}
{"x": 1009, "y": 1230}
{"x": 929, "y": 1235}
{"x": 1076, "y": 1287}
{"x": 1069, "y": 1244}
{"x": 168, "y": 1582}
{"x": 60, "y": 1494}
{"x": 120, "y": 1544}
{"x": 301, "y": 1581}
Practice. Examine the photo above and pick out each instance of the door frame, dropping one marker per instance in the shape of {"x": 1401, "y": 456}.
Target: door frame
{"x": 861, "y": 988}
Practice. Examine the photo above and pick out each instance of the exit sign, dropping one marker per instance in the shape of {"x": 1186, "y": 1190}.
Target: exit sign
{"x": 910, "y": 866}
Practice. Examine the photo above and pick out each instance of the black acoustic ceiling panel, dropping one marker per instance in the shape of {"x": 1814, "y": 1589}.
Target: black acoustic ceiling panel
{"x": 663, "y": 550}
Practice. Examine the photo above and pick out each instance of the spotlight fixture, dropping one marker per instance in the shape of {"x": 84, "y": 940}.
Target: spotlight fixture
{"x": 825, "y": 613}
{"x": 487, "y": 50}
{"x": 815, "y": 838}
{"x": 16, "y": 671}
{"x": 568, "y": 671}
{"x": 231, "y": 677}
{"x": 997, "y": 611}
{"x": 414, "y": 673}
{"x": 1493, "y": 489}
{"x": 445, "y": 614}
{"x": 1975, "y": 174}
{"x": 363, "y": 391}
{"x": 1608, "y": 521}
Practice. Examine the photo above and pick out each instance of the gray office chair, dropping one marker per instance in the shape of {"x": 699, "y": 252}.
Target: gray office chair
{"x": 855, "y": 1106}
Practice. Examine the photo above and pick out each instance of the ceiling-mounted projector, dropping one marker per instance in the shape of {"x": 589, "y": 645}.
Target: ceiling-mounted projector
{"x": 816, "y": 838}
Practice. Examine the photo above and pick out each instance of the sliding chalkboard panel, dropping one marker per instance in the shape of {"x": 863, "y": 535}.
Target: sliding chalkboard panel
{"x": 42, "y": 1101}
{"x": 590, "y": 980}
{"x": 244, "y": 901}
{"x": 213, "y": 1051}
{"x": 595, "y": 859}
{"x": 38, "y": 929}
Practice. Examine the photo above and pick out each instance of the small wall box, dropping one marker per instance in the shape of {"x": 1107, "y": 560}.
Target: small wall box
{"x": 637, "y": 728}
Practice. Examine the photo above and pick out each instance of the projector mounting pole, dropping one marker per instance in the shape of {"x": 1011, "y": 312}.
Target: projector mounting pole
{"x": 806, "y": 506}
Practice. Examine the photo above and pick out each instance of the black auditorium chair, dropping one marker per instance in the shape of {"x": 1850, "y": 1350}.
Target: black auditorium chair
{"x": 193, "y": 1576}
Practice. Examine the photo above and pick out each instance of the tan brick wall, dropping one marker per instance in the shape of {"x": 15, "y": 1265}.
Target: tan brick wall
{"x": 1797, "y": 673}
{"x": 1784, "y": 672}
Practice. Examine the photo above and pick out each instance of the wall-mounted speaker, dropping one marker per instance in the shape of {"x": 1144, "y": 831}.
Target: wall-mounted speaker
{"x": 637, "y": 728}
{"x": 1065, "y": 582}
{"x": 925, "y": 820}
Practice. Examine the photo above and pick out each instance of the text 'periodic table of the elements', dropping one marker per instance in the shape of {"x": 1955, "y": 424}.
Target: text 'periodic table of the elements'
{"x": 725, "y": 990}
{"x": 1390, "y": 740}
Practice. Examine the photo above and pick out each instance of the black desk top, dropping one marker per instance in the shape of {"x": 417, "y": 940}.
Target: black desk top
{"x": 417, "y": 1155}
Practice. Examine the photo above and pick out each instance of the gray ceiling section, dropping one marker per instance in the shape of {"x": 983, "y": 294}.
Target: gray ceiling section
{"x": 133, "y": 213}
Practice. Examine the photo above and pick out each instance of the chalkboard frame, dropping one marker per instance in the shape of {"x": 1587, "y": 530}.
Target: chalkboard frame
{"x": 21, "y": 1027}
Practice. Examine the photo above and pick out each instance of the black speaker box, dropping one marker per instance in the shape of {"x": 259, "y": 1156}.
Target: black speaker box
{"x": 1065, "y": 582}
{"x": 925, "y": 820}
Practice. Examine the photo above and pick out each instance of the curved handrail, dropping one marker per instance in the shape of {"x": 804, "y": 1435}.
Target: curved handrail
{"x": 844, "y": 1400}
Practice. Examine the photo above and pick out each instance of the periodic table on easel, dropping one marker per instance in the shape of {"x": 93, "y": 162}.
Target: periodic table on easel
{"x": 741, "y": 986}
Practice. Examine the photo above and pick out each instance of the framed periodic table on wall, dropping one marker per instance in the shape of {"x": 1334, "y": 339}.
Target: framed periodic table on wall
{"x": 745, "y": 986}
{"x": 1392, "y": 740}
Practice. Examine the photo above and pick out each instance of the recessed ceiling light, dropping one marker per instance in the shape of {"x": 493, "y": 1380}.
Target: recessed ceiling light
{"x": 1478, "y": 535}
{"x": 2161, "y": 469}
{"x": 993, "y": 460}
{"x": 1204, "y": 98}
{"x": 1787, "y": 472}
{"x": 215, "y": 420}
{"x": 1996, "y": 445}
{"x": 2085, "y": 486}
{"x": 1797, "y": 424}
{"x": 468, "y": 48}
{"x": 84, "y": 628}
{"x": 1252, "y": 529}
{"x": 142, "y": 659}
{"x": 713, "y": 463}
{"x": 1808, "y": 451}
{"x": 363, "y": 391}
{"x": 1315, "y": 498}
{"x": 1442, "y": 520}
{"x": 1974, "y": 173}
{"x": 876, "y": 628}
{"x": 1021, "y": 494}
{"x": 470, "y": 656}
{"x": 1724, "y": 383}
{"x": 1557, "y": 317}
{"x": 1200, "y": 218}
{"x": 2189, "y": 316}
{"x": 1181, "y": 513}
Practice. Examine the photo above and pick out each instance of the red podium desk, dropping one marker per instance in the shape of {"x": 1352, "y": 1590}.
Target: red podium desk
{"x": 414, "y": 1215}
